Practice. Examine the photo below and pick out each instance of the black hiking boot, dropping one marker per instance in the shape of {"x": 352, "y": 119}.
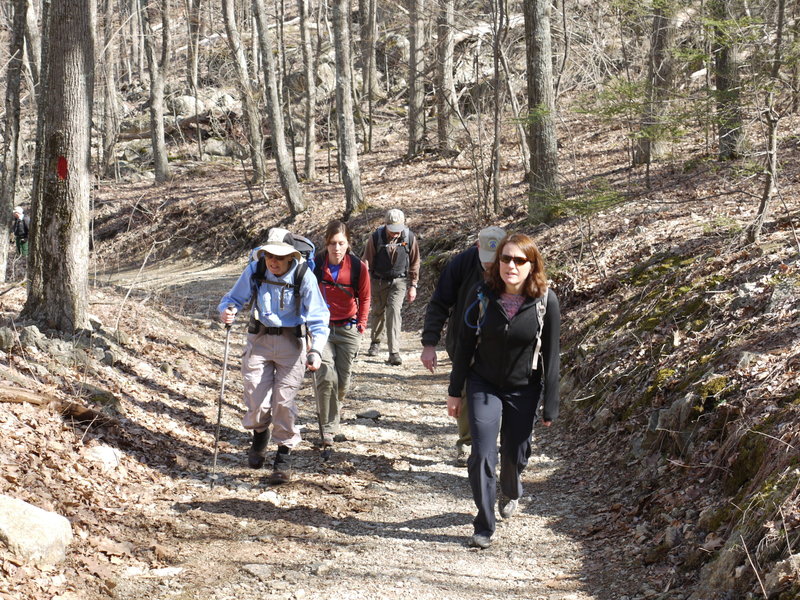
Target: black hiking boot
{"x": 258, "y": 450}
{"x": 282, "y": 468}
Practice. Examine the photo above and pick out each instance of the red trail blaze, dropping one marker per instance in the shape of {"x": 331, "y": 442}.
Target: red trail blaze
{"x": 62, "y": 167}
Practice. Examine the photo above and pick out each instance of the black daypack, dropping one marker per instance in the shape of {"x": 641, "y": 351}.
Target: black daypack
{"x": 355, "y": 274}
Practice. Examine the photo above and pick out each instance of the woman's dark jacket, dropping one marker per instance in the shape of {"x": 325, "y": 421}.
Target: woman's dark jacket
{"x": 503, "y": 356}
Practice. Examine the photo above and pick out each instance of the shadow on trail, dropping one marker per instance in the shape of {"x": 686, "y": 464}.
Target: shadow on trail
{"x": 418, "y": 529}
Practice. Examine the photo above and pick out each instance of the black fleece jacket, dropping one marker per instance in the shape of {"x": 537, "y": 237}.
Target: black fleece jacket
{"x": 449, "y": 299}
{"x": 504, "y": 353}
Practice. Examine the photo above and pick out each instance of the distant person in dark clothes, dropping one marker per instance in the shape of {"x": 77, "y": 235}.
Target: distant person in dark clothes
{"x": 20, "y": 228}
{"x": 392, "y": 254}
{"x": 344, "y": 283}
{"x": 447, "y": 305}
{"x": 511, "y": 367}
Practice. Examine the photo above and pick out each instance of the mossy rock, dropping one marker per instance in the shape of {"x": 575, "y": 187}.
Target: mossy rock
{"x": 748, "y": 461}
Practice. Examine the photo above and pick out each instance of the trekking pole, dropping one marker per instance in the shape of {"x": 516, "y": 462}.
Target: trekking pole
{"x": 219, "y": 403}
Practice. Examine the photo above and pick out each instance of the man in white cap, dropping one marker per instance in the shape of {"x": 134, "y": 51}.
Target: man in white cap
{"x": 20, "y": 228}
{"x": 447, "y": 304}
{"x": 285, "y": 296}
{"x": 392, "y": 255}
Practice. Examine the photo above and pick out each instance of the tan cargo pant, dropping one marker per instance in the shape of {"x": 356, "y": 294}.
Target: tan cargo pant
{"x": 272, "y": 370}
{"x": 332, "y": 380}
{"x": 386, "y": 304}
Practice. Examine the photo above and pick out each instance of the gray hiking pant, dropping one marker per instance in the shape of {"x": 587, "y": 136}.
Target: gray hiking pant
{"x": 332, "y": 380}
{"x": 386, "y": 304}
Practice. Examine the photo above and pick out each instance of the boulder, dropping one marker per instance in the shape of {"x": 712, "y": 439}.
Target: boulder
{"x": 7, "y": 339}
{"x": 187, "y": 106}
{"x": 33, "y": 534}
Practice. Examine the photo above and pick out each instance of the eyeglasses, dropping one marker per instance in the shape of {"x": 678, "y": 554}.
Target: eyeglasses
{"x": 270, "y": 256}
{"x": 517, "y": 260}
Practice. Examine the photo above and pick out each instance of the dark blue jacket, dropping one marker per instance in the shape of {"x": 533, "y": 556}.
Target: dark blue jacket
{"x": 449, "y": 299}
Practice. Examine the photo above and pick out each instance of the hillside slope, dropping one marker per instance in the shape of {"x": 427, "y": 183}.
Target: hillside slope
{"x": 673, "y": 472}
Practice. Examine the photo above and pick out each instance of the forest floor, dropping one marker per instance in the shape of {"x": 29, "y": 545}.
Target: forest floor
{"x": 389, "y": 514}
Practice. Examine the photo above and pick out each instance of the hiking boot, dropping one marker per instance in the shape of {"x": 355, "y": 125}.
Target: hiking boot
{"x": 282, "y": 467}
{"x": 373, "y": 349}
{"x": 258, "y": 449}
{"x": 462, "y": 455}
{"x": 394, "y": 360}
{"x": 481, "y": 541}
{"x": 508, "y": 507}
{"x": 327, "y": 439}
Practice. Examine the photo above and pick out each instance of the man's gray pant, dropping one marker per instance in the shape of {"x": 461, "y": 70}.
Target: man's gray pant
{"x": 332, "y": 380}
{"x": 386, "y": 304}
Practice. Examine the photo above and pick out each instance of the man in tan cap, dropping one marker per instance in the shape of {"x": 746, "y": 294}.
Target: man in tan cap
{"x": 392, "y": 255}
{"x": 448, "y": 304}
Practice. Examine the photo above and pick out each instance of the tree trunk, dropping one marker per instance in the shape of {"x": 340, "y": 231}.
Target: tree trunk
{"x": 249, "y": 103}
{"x": 348, "y": 152}
{"x": 158, "y": 72}
{"x": 544, "y": 188}
{"x": 110, "y": 107}
{"x": 309, "y": 72}
{"x": 34, "y": 41}
{"x": 446, "y": 93}
{"x": 499, "y": 32}
{"x": 11, "y": 135}
{"x": 726, "y": 78}
{"x": 651, "y": 144}
{"x": 372, "y": 88}
{"x": 416, "y": 64}
{"x": 772, "y": 118}
{"x": 193, "y": 46}
{"x": 60, "y": 246}
{"x": 283, "y": 162}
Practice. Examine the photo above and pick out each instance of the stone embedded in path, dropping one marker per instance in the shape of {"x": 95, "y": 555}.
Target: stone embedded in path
{"x": 263, "y": 572}
{"x": 33, "y": 534}
{"x": 369, "y": 414}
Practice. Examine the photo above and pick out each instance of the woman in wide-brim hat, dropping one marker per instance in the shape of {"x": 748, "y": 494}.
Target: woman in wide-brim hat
{"x": 284, "y": 299}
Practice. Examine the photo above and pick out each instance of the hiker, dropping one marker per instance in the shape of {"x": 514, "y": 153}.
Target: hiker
{"x": 392, "y": 255}
{"x": 508, "y": 354}
{"x": 285, "y": 299}
{"x": 448, "y": 304}
{"x": 344, "y": 282}
{"x": 20, "y": 228}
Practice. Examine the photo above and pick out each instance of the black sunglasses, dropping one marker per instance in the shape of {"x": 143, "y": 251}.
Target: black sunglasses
{"x": 518, "y": 260}
{"x": 270, "y": 256}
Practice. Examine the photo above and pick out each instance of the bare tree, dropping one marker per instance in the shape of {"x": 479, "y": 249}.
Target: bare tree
{"x": 249, "y": 102}
{"x": 544, "y": 187}
{"x": 110, "y": 107}
{"x": 60, "y": 220}
{"x": 309, "y": 75}
{"x": 650, "y": 144}
{"x": 193, "y": 21}
{"x": 158, "y": 70}
{"x": 445, "y": 92}
{"x": 291, "y": 189}
{"x": 416, "y": 91}
{"x": 11, "y": 134}
{"x": 34, "y": 42}
{"x": 771, "y": 116}
{"x": 348, "y": 153}
{"x": 726, "y": 79}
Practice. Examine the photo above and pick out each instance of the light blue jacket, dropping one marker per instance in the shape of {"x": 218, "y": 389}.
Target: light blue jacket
{"x": 274, "y": 313}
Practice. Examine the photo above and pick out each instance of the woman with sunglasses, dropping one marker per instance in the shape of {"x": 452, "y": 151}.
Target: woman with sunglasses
{"x": 511, "y": 369}
{"x": 344, "y": 282}
{"x": 275, "y": 355}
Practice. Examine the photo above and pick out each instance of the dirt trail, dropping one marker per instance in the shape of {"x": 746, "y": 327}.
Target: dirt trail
{"x": 387, "y": 516}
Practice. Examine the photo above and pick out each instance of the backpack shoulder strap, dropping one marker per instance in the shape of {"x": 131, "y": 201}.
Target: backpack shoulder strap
{"x": 541, "y": 310}
{"x": 299, "y": 273}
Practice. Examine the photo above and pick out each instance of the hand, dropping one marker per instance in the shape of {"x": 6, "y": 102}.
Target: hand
{"x": 454, "y": 406}
{"x": 547, "y": 423}
{"x": 428, "y": 358}
{"x": 313, "y": 361}
{"x": 412, "y": 293}
{"x": 227, "y": 315}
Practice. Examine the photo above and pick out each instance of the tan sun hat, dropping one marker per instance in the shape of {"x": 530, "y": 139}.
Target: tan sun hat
{"x": 277, "y": 245}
